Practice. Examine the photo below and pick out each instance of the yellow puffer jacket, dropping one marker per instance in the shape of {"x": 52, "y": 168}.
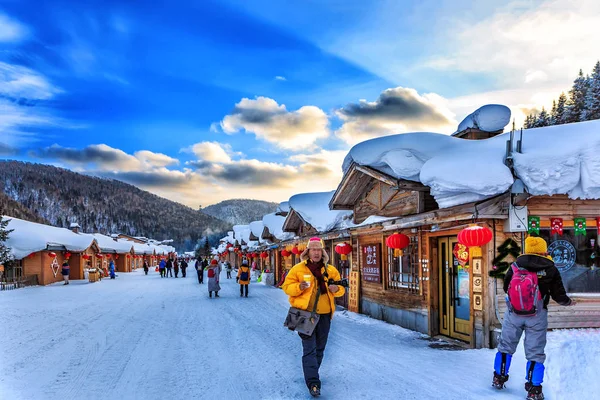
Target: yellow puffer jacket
{"x": 301, "y": 298}
{"x": 243, "y": 268}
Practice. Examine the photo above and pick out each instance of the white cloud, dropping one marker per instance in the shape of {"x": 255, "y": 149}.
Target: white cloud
{"x": 269, "y": 121}
{"x": 280, "y": 78}
{"x": 11, "y": 30}
{"x": 212, "y": 152}
{"x": 397, "y": 110}
{"x": 21, "y": 82}
{"x": 554, "y": 37}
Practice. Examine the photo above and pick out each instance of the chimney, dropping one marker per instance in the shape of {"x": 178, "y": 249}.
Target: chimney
{"x": 115, "y": 237}
{"x": 74, "y": 227}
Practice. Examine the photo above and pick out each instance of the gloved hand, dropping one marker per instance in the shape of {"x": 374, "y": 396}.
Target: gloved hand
{"x": 237, "y": 279}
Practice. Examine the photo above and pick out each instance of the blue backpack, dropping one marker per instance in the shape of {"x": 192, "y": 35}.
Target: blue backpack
{"x": 244, "y": 276}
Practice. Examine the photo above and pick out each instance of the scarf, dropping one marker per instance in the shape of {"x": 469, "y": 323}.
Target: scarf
{"x": 315, "y": 268}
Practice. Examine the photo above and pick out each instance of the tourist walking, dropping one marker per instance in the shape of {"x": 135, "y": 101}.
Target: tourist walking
{"x": 200, "y": 271}
{"x": 243, "y": 278}
{"x": 65, "y": 271}
{"x": 213, "y": 272}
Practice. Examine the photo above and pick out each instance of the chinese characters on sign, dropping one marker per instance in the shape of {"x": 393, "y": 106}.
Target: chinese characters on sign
{"x": 371, "y": 263}
{"x": 354, "y": 288}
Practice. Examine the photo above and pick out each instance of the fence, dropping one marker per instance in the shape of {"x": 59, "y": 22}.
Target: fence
{"x": 16, "y": 283}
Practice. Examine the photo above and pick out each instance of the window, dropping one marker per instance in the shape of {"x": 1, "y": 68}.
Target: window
{"x": 403, "y": 272}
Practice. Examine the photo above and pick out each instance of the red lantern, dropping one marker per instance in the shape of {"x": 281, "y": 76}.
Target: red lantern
{"x": 99, "y": 255}
{"x": 229, "y": 245}
{"x": 264, "y": 254}
{"x": 285, "y": 253}
{"x": 85, "y": 257}
{"x": 52, "y": 254}
{"x": 398, "y": 242}
{"x": 67, "y": 255}
{"x": 474, "y": 237}
{"x": 343, "y": 249}
{"x": 31, "y": 255}
{"x": 296, "y": 250}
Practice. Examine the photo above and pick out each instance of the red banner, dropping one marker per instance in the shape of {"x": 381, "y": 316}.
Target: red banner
{"x": 461, "y": 252}
{"x": 556, "y": 226}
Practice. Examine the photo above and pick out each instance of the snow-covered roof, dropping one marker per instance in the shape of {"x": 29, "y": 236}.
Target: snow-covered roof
{"x": 230, "y": 237}
{"x": 489, "y": 118}
{"x": 29, "y": 237}
{"x": 283, "y": 207}
{"x": 241, "y": 233}
{"x": 108, "y": 245}
{"x": 275, "y": 225}
{"x": 141, "y": 248}
{"x": 314, "y": 209}
{"x": 257, "y": 227}
{"x": 561, "y": 159}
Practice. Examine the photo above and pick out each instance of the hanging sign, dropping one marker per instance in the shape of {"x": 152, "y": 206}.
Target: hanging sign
{"x": 579, "y": 226}
{"x": 533, "y": 225}
{"x": 556, "y": 226}
{"x": 371, "y": 263}
{"x": 354, "y": 290}
{"x": 563, "y": 254}
{"x": 461, "y": 252}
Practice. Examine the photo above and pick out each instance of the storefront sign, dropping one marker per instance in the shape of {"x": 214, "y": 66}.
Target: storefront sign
{"x": 477, "y": 302}
{"x": 563, "y": 254}
{"x": 371, "y": 263}
{"x": 478, "y": 284}
{"x": 354, "y": 291}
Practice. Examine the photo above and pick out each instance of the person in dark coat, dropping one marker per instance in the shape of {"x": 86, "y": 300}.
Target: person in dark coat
{"x": 176, "y": 268}
{"x": 535, "y": 322}
{"x": 111, "y": 269}
{"x": 169, "y": 269}
{"x": 200, "y": 271}
{"x": 184, "y": 266}
{"x": 65, "y": 271}
{"x": 145, "y": 267}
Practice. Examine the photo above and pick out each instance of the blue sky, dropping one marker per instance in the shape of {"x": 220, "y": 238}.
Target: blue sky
{"x": 200, "y": 101}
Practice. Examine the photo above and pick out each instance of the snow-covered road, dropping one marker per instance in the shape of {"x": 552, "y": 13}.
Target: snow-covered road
{"x": 143, "y": 337}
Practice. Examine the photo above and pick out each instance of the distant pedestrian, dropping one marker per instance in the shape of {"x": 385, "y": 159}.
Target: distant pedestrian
{"x": 111, "y": 269}
{"x": 213, "y": 272}
{"x": 162, "y": 267}
{"x": 243, "y": 277}
{"x": 184, "y": 266}
{"x": 169, "y": 270}
{"x": 200, "y": 271}
{"x": 65, "y": 271}
{"x": 176, "y": 268}
{"x": 529, "y": 283}
{"x": 228, "y": 268}
{"x": 145, "y": 267}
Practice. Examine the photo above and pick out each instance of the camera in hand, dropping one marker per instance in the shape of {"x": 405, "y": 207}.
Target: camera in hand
{"x": 341, "y": 282}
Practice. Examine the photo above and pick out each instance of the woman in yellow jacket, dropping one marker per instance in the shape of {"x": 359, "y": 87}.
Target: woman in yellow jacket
{"x": 301, "y": 285}
{"x": 243, "y": 277}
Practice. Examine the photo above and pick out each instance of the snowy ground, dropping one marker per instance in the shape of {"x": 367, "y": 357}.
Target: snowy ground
{"x": 146, "y": 337}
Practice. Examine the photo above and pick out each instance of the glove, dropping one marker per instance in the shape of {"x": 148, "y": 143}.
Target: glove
{"x": 237, "y": 279}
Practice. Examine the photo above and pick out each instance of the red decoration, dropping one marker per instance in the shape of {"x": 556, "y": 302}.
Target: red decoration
{"x": 556, "y": 225}
{"x": 229, "y": 245}
{"x": 296, "y": 250}
{"x": 264, "y": 254}
{"x": 343, "y": 249}
{"x": 461, "y": 252}
{"x": 67, "y": 255}
{"x": 31, "y": 255}
{"x": 475, "y": 236}
{"x": 52, "y": 254}
{"x": 398, "y": 242}
{"x": 285, "y": 253}
{"x": 116, "y": 256}
{"x": 85, "y": 256}
{"x": 99, "y": 255}
{"x": 598, "y": 225}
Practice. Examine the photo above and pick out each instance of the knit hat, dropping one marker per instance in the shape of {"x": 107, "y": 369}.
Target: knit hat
{"x": 214, "y": 262}
{"x": 536, "y": 245}
{"x": 315, "y": 243}
{"x": 244, "y": 262}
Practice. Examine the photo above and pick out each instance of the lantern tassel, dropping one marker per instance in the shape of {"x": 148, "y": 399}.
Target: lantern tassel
{"x": 344, "y": 257}
{"x": 475, "y": 252}
{"x": 398, "y": 253}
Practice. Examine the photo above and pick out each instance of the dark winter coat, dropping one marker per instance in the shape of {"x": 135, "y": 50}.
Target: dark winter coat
{"x": 169, "y": 264}
{"x": 549, "y": 279}
{"x": 145, "y": 266}
{"x": 184, "y": 265}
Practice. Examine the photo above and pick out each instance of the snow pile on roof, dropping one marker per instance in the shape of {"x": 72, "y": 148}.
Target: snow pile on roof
{"x": 230, "y": 237}
{"x": 242, "y": 233}
{"x": 109, "y": 245}
{"x": 489, "y": 118}
{"x": 275, "y": 225}
{"x": 29, "y": 237}
{"x": 283, "y": 207}
{"x": 257, "y": 227}
{"x": 560, "y": 159}
{"x": 314, "y": 209}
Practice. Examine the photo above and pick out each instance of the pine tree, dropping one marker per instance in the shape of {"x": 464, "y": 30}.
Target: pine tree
{"x": 552, "y": 119}
{"x": 559, "y": 116}
{"x": 530, "y": 121}
{"x": 577, "y": 95}
{"x": 5, "y": 254}
{"x": 592, "y": 98}
{"x": 543, "y": 119}
{"x": 206, "y": 248}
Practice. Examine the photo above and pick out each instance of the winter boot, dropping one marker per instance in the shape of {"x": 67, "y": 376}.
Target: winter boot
{"x": 535, "y": 393}
{"x": 314, "y": 390}
{"x": 216, "y": 294}
{"x": 210, "y": 294}
{"x": 499, "y": 381}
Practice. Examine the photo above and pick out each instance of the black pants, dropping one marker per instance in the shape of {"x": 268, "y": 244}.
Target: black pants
{"x": 169, "y": 271}
{"x": 146, "y": 271}
{"x": 242, "y": 290}
{"x": 228, "y": 274}
{"x": 176, "y": 272}
{"x": 162, "y": 272}
{"x": 200, "y": 276}
{"x": 183, "y": 272}
{"x": 313, "y": 348}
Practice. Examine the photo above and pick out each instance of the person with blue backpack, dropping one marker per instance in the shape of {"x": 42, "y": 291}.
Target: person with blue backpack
{"x": 529, "y": 283}
{"x": 243, "y": 277}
